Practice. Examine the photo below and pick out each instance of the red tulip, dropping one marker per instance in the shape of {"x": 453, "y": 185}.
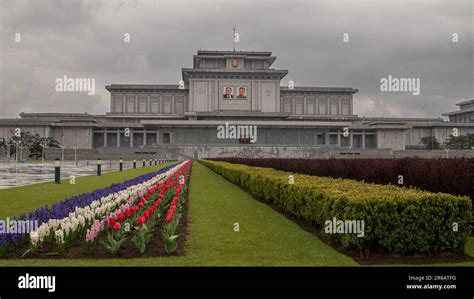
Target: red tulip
{"x": 117, "y": 226}
{"x": 141, "y": 220}
{"x": 169, "y": 218}
{"x": 121, "y": 217}
{"x": 141, "y": 204}
{"x": 175, "y": 200}
{"x": 111, "y": 221}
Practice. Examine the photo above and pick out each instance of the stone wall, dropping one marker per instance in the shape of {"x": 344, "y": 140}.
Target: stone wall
{"x": 202, "y": 152}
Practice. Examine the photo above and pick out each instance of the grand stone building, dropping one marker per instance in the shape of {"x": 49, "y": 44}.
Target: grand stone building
{"x": 239, "y": 88}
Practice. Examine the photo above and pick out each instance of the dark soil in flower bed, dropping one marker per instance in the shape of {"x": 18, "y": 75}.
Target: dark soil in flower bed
{"x": 377, "y": 256}
{"x": 75, "y": 250}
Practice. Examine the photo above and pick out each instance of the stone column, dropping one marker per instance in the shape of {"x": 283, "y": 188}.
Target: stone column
{"x": 338, "y": 138}
{"x": 131, "y": 137}
{"x": 148, "y": 105}
{"x": 118, "y": 138}
{"x": 124, "y": 103}
{"x": 351, "y": 139}
{"x": 136, "y": 103}
{"x": 173, "y": 103}
{"x": 105, "y": 137}
{"x": 363, "y": 139}
{"x": 112, "y": 102}
{"x": 144, "y": 137}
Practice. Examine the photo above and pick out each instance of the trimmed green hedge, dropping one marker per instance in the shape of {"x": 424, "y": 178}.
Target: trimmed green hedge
{"x": 402, "y": 220}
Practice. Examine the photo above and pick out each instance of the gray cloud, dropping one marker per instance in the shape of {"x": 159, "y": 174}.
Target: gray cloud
{"x": 85, "y": 39}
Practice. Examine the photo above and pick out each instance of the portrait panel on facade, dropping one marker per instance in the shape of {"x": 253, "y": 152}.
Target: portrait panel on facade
{"x": 228, "y": 92}
{"x": 242, "y": 93}
{"x": 235, "y": 92}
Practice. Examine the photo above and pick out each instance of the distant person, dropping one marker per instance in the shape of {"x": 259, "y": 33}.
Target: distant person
{"x": 242, "y": 94}
{"x": 228, "y": 93}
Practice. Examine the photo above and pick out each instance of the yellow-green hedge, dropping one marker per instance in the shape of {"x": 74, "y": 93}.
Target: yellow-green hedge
{"x": 399, "y": 219}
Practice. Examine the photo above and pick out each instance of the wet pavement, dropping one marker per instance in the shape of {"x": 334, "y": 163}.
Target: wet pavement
{"x": 14, "y": 174}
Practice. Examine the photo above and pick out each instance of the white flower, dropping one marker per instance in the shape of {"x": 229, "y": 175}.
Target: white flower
{"x": 59, "y": 236}
{"x": 81, "y": 220}
{"x": 34, "y": 238}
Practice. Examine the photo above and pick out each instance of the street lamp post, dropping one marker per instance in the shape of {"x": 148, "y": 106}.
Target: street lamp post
{"x": 62, "y": 152}
{"x": 121, "y": 164}
{"x": 134, "y": 163}
{"x": 75, "y": 154}
{"x": 143, "y": 162}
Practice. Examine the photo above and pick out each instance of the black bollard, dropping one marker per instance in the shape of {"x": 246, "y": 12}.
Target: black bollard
{"x": 121, "y": 164}
{"x": 134, "y": 163}
{"x": 99, "y": 167}
{"x": 57, "y": 171}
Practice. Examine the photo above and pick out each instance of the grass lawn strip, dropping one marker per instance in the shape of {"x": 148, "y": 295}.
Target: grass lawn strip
{"x": 17, "y": 200}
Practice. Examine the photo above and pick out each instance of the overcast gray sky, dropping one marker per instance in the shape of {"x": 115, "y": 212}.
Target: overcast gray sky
{"x": 85, "y": 39}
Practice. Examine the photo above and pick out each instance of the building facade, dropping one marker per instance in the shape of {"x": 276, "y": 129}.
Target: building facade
{"x": 236, "y": 88}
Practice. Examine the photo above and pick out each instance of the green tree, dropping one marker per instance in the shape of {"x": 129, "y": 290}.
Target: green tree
{"x": 34, "y": 143}
{"x": 38, "y": 143}
{"x": 460, "y": 142}
{"x": 430, "y": 142}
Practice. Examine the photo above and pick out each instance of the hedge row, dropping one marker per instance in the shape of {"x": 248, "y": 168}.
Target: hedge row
{"x": 454, "y": 176}
{"x": 402, "y": 220}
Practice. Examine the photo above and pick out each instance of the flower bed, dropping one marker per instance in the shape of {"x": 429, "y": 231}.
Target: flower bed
{"x": 400, "y": 220}
{"x": 106, "y": 217}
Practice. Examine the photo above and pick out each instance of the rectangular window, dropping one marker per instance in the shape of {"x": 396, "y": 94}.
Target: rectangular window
{"x": 167, "y": 104}
{"x": 142, "y": 103}
{"x": 333, "y": 107}
{"x": 130, "y": 106}
{"x": 166, "y": 138}
{"x": 179, "y": 105}
{"x": 310, "y": 104}
{"x": 287, "y": 105}
{"x": 345, "y": 107}
{"x": 321, "y": 139}
{"x": 299, "y": 105}
{"x": 154, "y": 106}
{"x": 118, "y": 105}
{"x": 322, "y": 107}
{"x": 151, "y": 139}
{"x": 370, "y": 141}
{"x": 345, "y": 141}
